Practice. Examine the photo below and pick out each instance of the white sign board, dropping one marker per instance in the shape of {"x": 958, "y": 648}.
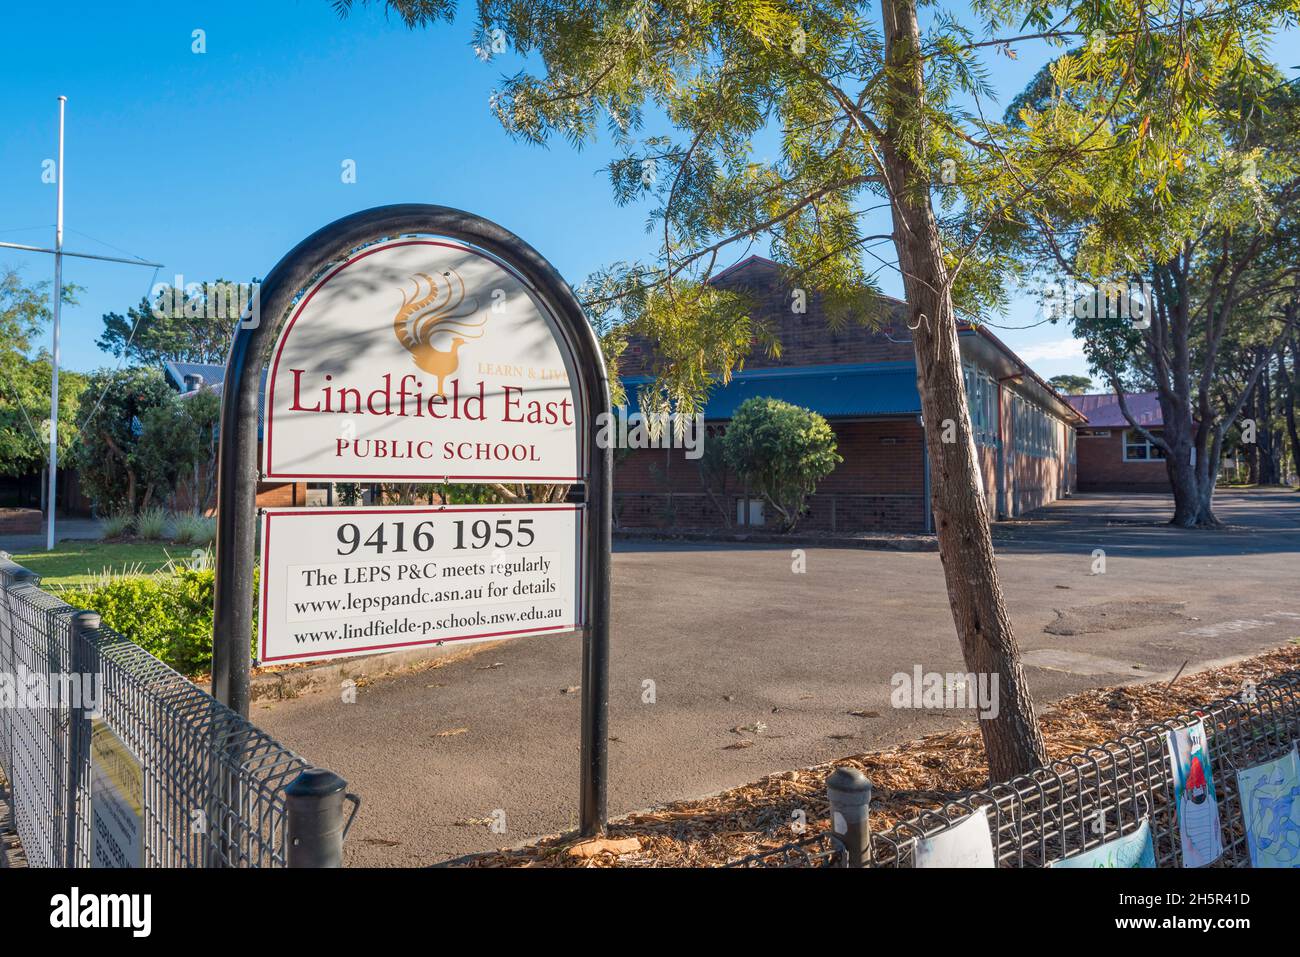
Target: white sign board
{"x": 421, "y": 360}
{"x": 351, "y": 581}
{"x": 116, "y": 801}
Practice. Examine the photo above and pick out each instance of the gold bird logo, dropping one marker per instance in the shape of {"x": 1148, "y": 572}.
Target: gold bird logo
{"x": 435, "y": 321}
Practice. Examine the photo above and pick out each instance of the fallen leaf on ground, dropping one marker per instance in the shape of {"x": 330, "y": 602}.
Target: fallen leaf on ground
{"x": 605, "y": 845}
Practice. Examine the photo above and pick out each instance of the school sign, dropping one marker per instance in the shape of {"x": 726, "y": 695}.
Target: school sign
{"x": 416, "y": 344}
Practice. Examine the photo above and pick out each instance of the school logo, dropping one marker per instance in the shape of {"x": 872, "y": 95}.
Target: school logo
{"x": 435, "y": 321}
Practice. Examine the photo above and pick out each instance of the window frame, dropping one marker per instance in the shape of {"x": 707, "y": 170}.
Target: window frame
{"x": 1153, "y": 452}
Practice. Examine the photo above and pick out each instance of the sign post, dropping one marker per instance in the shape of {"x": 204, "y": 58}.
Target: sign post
{"x": 416, "y": 343}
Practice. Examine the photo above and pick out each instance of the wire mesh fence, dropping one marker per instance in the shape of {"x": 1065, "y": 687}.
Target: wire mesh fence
{"x": 1079, "y": 803}
{"x": 1090, "y": 798}
{"x": 212, "y": 783}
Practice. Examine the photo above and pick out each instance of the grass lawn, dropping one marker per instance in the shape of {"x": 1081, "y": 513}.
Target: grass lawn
{"x": 76, "y": 563}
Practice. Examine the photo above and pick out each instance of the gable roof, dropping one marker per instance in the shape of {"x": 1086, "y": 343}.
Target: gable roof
{"x": 898, "y": 307}
{"x": 1103, "y": 411}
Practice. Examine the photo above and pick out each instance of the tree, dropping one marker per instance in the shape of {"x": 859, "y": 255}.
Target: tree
{"x": 1211, "y": 228}
{"x": 112, "y": 412}
{"x": 860, "y": 111}
{"x": 783, "y": 451}
{"x": 193, "y": 324}
{"x": 1071, "y": 384}
{"x": 25, "y": 379}
{"x": 176, "y": 454}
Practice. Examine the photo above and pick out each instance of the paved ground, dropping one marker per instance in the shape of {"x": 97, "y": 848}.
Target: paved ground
{"x": 64, "y": 528}
{"x": 731, "y": 636}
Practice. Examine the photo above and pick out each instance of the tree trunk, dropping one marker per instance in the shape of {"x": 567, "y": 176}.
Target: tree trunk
{"x": 1191, "y": 476}
{"x": 1013, "y": 741}
{"x": 1269, "y": 440}
{"x": 1291, "y": 383}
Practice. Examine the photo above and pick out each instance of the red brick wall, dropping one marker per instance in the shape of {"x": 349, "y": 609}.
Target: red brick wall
{"x": 1102, "y": 467}
{"x": 21, "y": 521}
{"x": 281, "y": 495}
{"x": 880, "y": 485}
{"x": 806, "y": 338}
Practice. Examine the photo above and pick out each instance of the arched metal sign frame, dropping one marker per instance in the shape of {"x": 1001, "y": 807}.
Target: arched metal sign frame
{"x": 239, "y": 466}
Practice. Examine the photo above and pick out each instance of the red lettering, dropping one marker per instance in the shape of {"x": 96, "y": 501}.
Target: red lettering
{"x": 296, "y": 405}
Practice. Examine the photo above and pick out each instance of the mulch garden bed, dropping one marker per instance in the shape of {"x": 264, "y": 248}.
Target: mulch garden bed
{"x": 906, "y": 779}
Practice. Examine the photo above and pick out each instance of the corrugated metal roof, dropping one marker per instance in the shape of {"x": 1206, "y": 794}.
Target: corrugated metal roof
{"x": 210, "y": 372}
{"x": 1103, "y": 409}
{"x": 835, "y": 391}
{"x": 217, "y": 384}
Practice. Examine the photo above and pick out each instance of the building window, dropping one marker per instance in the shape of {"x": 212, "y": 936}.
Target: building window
{"x": 1138, "y": 449}
{"x": 1036, "y": 431}
{"x": 981, "y": 397}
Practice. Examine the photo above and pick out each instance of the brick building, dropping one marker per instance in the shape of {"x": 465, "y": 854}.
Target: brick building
{"x": 1113, "y": 457}
{"x": 863, "y": 381}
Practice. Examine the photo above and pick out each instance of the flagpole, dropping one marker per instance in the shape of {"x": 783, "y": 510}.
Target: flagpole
{"x": 51, "y": 497}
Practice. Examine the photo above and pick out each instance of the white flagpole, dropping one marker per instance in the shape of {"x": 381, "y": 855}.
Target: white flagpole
{"x": 51, "y": 497}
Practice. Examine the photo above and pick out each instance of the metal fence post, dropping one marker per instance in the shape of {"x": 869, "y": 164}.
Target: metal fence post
{"x": 849, "y": 792}
{"x": 11, "y": 579}
{"x": 83, "y": 625}
{"x": 316, "y": 829}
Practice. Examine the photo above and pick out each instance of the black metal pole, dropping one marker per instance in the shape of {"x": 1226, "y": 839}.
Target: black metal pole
{"x": 238, "y": 467}
{"x": 595, "y": 643}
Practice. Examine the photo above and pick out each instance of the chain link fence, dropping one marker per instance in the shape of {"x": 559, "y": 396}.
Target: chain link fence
{"x": 216, "y": 789}
{"x": 1076, "y": 804}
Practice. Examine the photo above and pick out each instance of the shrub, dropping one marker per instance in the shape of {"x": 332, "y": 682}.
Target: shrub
{"x": 118, "y": 524}
{"x": 169, "y": 616}
{"x": 151, "y": 523}
{"x": 783, "y": 451}
{"x": 198, "y": 529}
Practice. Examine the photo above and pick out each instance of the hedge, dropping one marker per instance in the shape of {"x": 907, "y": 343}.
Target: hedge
{"x": 170, "y": 616}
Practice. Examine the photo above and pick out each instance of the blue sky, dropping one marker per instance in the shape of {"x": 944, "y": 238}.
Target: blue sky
{"x": 216, "y": 164}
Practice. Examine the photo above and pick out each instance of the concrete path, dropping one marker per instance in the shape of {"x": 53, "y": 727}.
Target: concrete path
{"x": 731, "y": 637}
{"x": 64, "y": 528}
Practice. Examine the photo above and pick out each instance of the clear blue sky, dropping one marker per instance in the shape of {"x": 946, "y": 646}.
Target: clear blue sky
{"x": 217, "y": 164}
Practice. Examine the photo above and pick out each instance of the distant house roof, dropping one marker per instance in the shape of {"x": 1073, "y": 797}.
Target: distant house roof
{"x": 1103, "y": 409}
{"x": 835, "y": 391}
{"x": 212, "y": 373}
{"x": 214, "y": 378}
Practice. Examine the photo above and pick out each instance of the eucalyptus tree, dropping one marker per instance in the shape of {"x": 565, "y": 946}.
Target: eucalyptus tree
{"x": 1208, "y": 227}
{"x": 789, "y": 122}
